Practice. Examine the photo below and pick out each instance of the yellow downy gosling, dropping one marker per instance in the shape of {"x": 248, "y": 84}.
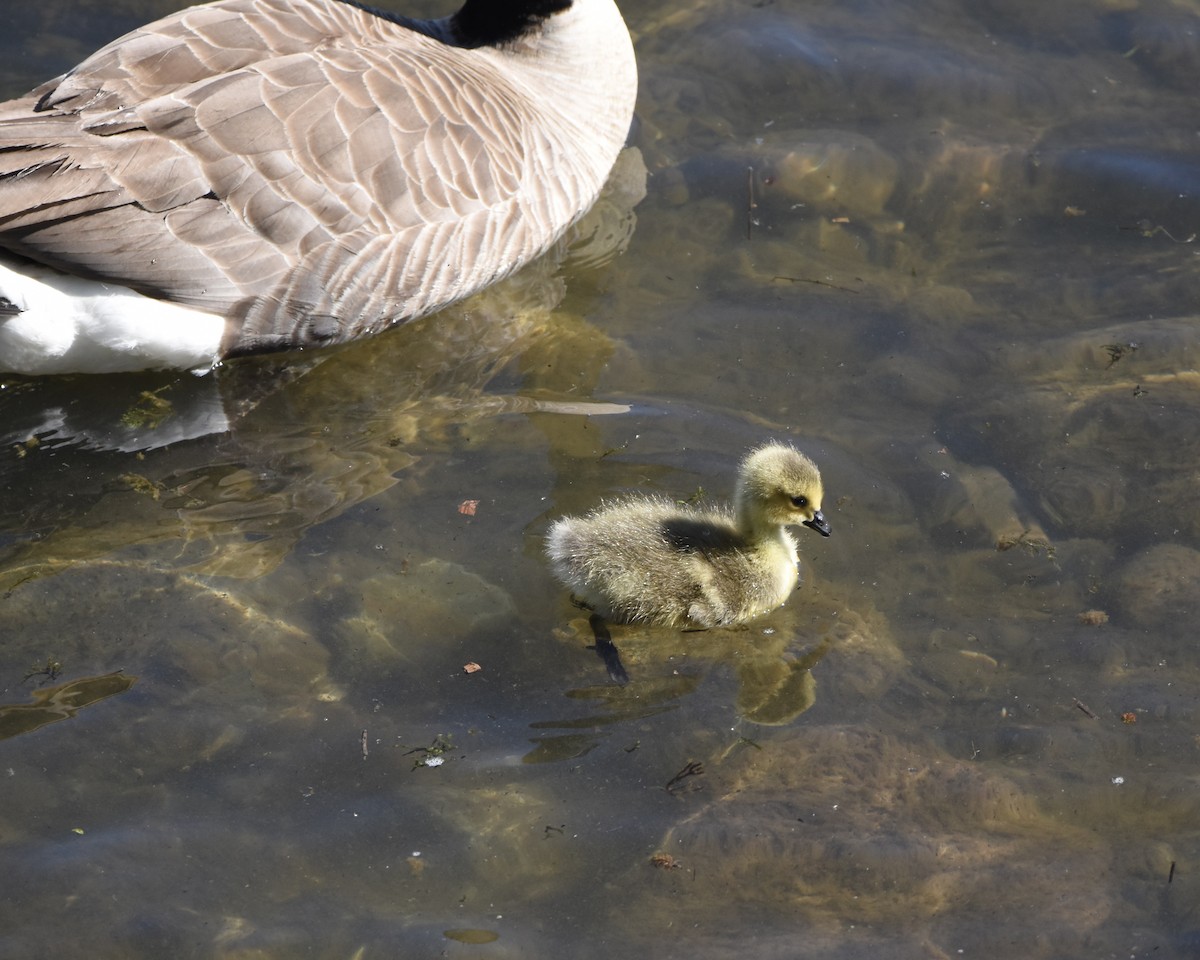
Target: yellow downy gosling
{"x": 650, "y": 560}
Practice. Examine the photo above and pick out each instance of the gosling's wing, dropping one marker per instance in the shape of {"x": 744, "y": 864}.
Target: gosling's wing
{"x": 281, "y": 162}
{"x": 705, "y": 535}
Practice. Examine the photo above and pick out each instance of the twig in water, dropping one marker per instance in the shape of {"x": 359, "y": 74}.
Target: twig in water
{"x": 1148, "y": 229}
{"x": 819, "y": 283}
{"x": 691, "y": 769}
{"x": 1084, "y": 707}
{"x": 751, "y": 205}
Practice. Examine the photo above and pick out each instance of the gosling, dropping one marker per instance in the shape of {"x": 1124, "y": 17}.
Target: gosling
{"x": 649, "y": 560}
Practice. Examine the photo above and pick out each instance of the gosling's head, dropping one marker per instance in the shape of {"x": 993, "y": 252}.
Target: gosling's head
{"x": 780, "y": 486}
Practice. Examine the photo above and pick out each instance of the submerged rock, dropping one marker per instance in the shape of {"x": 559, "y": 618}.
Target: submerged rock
{"x": 1160, "y": 587}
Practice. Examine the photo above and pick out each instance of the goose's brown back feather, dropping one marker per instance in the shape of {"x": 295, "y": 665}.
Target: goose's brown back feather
{"x": 363, "y": 152}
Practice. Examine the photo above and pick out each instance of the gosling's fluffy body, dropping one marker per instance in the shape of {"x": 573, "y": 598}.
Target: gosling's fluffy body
{"x": 650, "y": 560}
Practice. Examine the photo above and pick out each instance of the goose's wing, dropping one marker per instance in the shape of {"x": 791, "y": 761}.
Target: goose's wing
{"x": 291, "y": 165}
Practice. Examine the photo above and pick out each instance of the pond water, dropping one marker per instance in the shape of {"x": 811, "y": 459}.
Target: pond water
{"x": 946, "y": 247}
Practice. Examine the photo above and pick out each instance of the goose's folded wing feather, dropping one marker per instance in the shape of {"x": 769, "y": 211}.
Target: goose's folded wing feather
{"x": 166, "y": 160}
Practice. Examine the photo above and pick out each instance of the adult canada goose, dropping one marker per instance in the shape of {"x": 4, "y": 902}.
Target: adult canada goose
{"x": 255, "y": 175}
{"x": 650, "y": 560}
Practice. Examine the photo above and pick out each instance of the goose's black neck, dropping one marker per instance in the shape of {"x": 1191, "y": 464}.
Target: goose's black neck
{"x": 489, "y": 23}
{"x": 480, "y": 23}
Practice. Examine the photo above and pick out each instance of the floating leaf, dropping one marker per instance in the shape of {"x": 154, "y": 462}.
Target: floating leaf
{"x": 52, "y": 704}
{"x": 472, "y": 936}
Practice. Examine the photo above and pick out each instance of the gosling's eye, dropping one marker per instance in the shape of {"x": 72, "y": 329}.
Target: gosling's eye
{"x": 800, "y": 502}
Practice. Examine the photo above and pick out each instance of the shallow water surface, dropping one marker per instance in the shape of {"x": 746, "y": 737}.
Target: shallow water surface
{"x": 944, "y": 247}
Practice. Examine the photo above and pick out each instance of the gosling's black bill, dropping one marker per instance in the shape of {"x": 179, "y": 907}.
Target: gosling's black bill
{"x": 818, "y": 523}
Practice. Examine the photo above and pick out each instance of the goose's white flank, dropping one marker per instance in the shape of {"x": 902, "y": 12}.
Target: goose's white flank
{"x": 257, "y": 175}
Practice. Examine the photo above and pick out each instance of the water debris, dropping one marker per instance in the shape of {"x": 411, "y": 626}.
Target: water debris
{"x": 471, "y": 667}
{"x": 1147, "y": 228}
{"x": 1032, "y": 543}
{"x": 691, "y": 769}
{"x": 432, "y": 754}
{"x": 1092, "y": 618}
{"x": 1085, "y": 708}
{"x": 819, "y": 283}
{"x": 143, "y": 485}
{"x": 48, "y": 672}
{"x": 980, "y": 657}
{"x": 468, "y": 507}
{"x": 739, "y": 742}
{"x": 664, "y": 861}
{"x": 150, "y": 410}
{"x": 1129, "y": 717}
{"x": 1118, "y": 351}
{"x": 362, "y": 742}
{"x": 619, "y": 449}
{"x": 52, "y": 704}
{"x": 751, "y": 203}
{"x": 471, "y": 935}
{"x": 570, "y": 408}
